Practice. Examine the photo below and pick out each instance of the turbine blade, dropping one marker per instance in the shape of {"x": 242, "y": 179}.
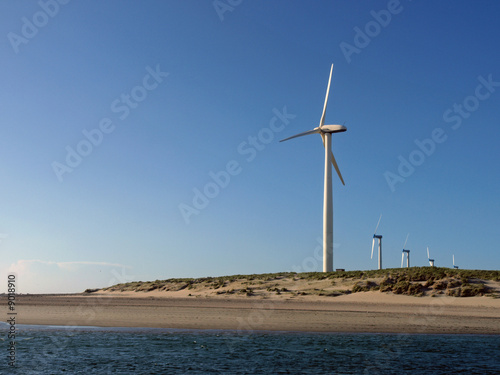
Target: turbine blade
{"x": 316, "y": 130}
{"x": 322, "y": 121}
{"x": 406, "y": 240}
{"x": 334, "y": 162}
{"x": 378, "y": 224}
{"x": 453, "y": 259}
{"x": 428, "y": 256}
{"x": 373, "y": 245}
{"x": 402, "y": 259}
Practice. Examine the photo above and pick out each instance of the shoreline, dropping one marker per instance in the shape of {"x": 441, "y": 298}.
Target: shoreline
{"x": 366, "y": 312}
{"x": 50, "y": 327}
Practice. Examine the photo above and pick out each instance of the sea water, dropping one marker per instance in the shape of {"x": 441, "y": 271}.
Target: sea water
{"x": 93, "y": 350}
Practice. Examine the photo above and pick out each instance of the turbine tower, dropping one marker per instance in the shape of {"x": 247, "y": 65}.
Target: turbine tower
{"x": 456, "y": 267}
{"x": 379, "y": 237}
{"x": 407, "y": 258}
{"x": 431, "y": 261}
{"x": 326, "y": 135}
{"x": 407, "y": 254}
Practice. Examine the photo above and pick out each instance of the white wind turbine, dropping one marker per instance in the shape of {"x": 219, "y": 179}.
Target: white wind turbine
{"x": 456, "y": 267}
{"x": 407, "y": 254}
{"x": 379, "y": 237}
{"x": 326, "y": 134}
{"x": 431, "y": 261}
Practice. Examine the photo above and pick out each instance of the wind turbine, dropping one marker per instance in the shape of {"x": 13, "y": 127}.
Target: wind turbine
{"x": 456, "y": 267}
{"x": 431, "y": 261}
{"x": 326, "y": 135}
{"x": 407, "y": 254}
{"x": 379, "y": 237}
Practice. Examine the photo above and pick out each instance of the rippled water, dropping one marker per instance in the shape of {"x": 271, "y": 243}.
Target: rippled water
{"x": 88, "y": 350}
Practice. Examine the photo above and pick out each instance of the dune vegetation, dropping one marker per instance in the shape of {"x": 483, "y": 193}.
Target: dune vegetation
{"x": 414, "y": 281}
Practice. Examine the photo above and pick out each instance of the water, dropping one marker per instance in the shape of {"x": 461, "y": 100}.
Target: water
{"x": 91, "y": 350}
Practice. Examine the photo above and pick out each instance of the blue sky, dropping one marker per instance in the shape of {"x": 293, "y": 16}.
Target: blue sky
{"x": 172, "y": 93}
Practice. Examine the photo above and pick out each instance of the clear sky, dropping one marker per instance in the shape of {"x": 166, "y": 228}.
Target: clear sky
{"x": 116, "y": 116}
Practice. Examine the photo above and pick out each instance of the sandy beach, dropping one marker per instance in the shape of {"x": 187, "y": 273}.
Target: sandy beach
{"x": 359, "y": 312}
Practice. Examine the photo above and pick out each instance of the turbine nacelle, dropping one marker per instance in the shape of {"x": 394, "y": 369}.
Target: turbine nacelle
{"x": 332, "y": 129}
{"x": 325, "y": 129}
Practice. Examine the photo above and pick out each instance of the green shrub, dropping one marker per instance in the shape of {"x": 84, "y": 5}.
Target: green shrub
{"x": 364, "y": 286}
{"x": 401, "y": 287}
{"x": 415, "y": 290}
{"x": 358, "y": 288}
{"x": 454, "y": 283}
{"x": 440, "y": 285}
{"x": 386, "y": 288}
{"x": 388, "y": 280}
{"x": 473, "y": 290}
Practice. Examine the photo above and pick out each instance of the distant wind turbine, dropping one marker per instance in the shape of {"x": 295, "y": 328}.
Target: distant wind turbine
{"x": 326, "y": 135}
{"x": 379, "y": 237}
{"x": 407, "y": 254}
{"x": 431, "y": 261}
{"x": 456, "y": 267}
